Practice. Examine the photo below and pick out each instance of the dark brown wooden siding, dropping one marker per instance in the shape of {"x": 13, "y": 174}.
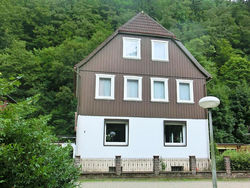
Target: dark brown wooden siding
{"x": 109, "y": 61}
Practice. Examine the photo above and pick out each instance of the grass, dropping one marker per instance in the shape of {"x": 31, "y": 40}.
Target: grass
{"x": 157, "y": 179}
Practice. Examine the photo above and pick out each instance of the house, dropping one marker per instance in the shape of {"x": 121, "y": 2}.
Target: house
{"x": 221, "y": 147}
{"x": 5, "y": 100}
{"x": 138, "y": 96}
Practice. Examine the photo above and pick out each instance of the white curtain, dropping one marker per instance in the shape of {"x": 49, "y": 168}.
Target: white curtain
{"x": 184, "y": 91}
{"x": 105, "y": 87}
{"x": 132, "y": 88}
{"x": 160, "y": 51}
{"x": 131, "y": 48}
{"x": 159, "y": 90}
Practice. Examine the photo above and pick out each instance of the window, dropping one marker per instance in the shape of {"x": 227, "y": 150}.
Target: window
{"x": 185, "y": 91}
{"x": 116, "y": 132}
{"x": 104, "y": 86}
{"x": 159, "y": 89}
{"x": 159, "y": 50}
{"x": 131, "y": 48}
{"x": 175, "y": 133}
{"x": 133, "y": 88}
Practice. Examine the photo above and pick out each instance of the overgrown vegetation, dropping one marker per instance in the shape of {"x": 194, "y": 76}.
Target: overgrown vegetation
{"x": 42, "y": 40}
{"x": 239, "y": 160}
{"x": 28, "y": 157}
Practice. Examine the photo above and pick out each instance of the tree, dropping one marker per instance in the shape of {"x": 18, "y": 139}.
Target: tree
{"x": 42, "y": 42}
{"x": 28, "y": 157}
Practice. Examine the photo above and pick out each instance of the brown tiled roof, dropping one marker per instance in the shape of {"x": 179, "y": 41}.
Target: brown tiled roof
{"x": 144, "y": 24}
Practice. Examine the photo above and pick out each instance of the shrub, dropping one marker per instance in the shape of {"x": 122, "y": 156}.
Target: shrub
{"x": 28, "y": 157}
{"x": 239, "y": 160}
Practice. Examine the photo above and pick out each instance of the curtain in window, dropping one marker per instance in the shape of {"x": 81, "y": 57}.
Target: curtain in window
{"x": 184, "y": 91}
{"x": 132, "y": 88}
{"x": 174, "y": 133}
{"x": 105, "y": 87}
{"x": 131, "y": 48}
{"x": 159, "y": 90}
{"x": 160, "y": 51}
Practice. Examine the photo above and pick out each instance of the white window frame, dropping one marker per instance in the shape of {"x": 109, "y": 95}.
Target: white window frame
{"x": 138, "y": 47}
{"x": 139, "y": 79}
{"x": 184, "y": 133}
{"x": 97, "y": 84}
{"x": 165, "y": 80}
{"x": 116, "y": 143}
{"x": 191, "y": 90}
{"x": 152, "y": 49}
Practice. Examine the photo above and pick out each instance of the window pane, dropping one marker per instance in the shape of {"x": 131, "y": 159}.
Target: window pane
{"x": 131, "y": 48}
{"x": 159, "y": 90}
{"x": 105, "y": 87}
{"x": 173, "y": 134}
{"x": 184, "y": 91}
{"x": 132, "y": 88}
{"x": 115, "y": 132}
{"x": 160, "y": 51}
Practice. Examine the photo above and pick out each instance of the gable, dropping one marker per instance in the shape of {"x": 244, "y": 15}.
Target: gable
{"x": 107, "y": 56}
{"x": 110, "y": 59}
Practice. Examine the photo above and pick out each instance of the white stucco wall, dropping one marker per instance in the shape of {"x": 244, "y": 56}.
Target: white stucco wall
{"x": 145, "y": 139}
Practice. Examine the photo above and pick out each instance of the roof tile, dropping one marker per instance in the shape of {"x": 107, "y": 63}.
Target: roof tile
{"x": 144, "y": 24}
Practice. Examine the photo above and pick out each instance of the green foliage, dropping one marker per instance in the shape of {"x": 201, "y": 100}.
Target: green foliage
{"x": 28, "y": 157}
{"x": 42, "y": 41}
{"x": 239, "y": 160}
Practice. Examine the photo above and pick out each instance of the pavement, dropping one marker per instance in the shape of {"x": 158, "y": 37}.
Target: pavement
{"x": 162, "y": 184}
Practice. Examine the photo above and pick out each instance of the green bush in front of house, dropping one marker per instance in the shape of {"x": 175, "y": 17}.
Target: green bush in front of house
{"x": 28, "y": 157}
{"x": 239, "y": 160}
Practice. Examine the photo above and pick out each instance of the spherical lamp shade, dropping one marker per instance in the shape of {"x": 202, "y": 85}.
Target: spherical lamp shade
{"x": 209, "y": 102}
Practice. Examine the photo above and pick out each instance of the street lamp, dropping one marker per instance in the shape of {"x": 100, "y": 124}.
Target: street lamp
{"x": 210, "y": 102}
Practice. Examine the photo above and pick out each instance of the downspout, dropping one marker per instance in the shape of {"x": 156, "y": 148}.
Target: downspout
{"x": 76, "y": 70}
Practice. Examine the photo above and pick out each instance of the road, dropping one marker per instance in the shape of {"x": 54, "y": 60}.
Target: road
{"x": 162, "y": 184}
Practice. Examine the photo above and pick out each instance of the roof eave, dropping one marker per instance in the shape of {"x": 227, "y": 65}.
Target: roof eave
{"x": 95, "y": 51}
{"x": 146, "y": 34}
{"x": 192, "y": 58}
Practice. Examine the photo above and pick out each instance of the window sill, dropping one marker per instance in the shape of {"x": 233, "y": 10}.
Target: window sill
{"x": 174, "y": 145}
{"x": 104, "y": 98}
{"x": 134, "y": 58}
{"x": 133, "y": 100}
{"x": 185, "y": 102}
{"x": 159, "y": 101}
{"x": 115, "y": 144}
{"x": 160, "y": 60}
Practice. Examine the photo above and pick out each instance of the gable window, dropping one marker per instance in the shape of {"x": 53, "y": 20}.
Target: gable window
{"x": 159, "y": 89}
{"x": 116, "y": 132}
{"x": 175, "y": 133}
{"x": 131, "y": 48}
{"x": 104, "y": 86}
{"x": 185, "y": 91}
{"x": 133, "y": 88}
{"x": 159, "y": 50}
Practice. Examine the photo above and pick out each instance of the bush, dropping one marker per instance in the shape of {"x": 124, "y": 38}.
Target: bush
{"x": 28, "y": 157}
{"x": 239, "y": 160}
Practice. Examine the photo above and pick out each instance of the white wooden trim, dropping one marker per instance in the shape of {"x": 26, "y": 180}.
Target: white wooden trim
{"x": 152, "y": 50}
{"x": 139, "y": 79}
{"x": 191, "y": 90}
{"x": 165, "y": 80}
{"x": 116, "y": 143}
{"x": 112, "y": 92}
{"x": 138, "y": 47}
{"x": 184, "y": 129}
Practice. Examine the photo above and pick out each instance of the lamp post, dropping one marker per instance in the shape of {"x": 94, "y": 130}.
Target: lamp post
{"x": 209, "y": 103}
